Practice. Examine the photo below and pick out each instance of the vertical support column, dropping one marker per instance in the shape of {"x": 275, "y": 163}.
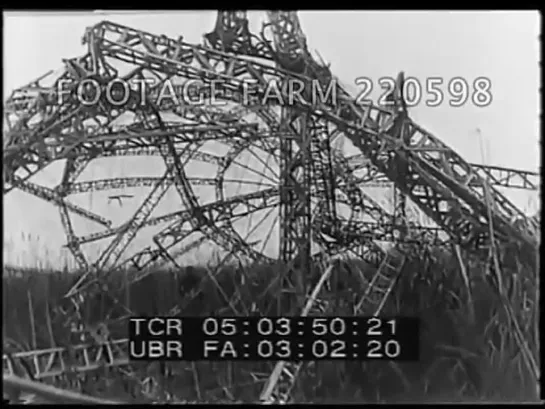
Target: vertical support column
{"x": 322, "y": 163}
{"x": 401, "y": 133}
{"x": 400, "y": 214}
{"x": 295, "y": 212}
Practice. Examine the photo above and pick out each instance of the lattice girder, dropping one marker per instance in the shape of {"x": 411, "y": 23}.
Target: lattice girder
{"x": 50, "y": 195}
{"x": 56, "y": 362}
{"x": 498, "y": 176}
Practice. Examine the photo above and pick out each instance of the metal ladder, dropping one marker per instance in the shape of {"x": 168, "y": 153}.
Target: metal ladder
{"x": 284, "y": 375}
{"x": 382, "y": 283}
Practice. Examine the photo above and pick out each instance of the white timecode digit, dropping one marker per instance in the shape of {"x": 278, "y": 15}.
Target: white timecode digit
{"x": 227, "y": 326}
{"x": 280, "y": 349}
{"x": 266, "y": 326}
{"x": 336, "y": 326}
{"x": 375, "y": 324}
{"x": 389, "y": 349}
{"x": 284, "y": 327}
{"x": 392, "y": 324}
{"x": 321, "y": 349}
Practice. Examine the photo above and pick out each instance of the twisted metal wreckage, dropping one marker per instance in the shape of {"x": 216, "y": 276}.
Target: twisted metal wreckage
{"x": 314, "y": 177}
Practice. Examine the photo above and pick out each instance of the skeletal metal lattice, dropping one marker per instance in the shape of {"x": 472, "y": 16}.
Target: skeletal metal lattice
{"x": 303, "y": 177}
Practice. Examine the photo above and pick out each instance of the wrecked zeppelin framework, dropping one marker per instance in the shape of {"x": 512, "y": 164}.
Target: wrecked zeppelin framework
{"x": 311, "y": 179}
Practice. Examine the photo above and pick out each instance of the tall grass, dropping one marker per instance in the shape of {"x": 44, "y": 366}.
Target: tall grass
{"x": 462, "y": 359}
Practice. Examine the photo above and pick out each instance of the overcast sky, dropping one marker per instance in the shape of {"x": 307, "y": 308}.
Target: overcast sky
{"x": 501, "y": 46}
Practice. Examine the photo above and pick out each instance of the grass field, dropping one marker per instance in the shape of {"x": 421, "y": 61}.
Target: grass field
{"x": 469, "y": 348}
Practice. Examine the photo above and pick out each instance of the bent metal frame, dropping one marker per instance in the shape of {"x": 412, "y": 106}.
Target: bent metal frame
{"x": 303, "y": 177}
